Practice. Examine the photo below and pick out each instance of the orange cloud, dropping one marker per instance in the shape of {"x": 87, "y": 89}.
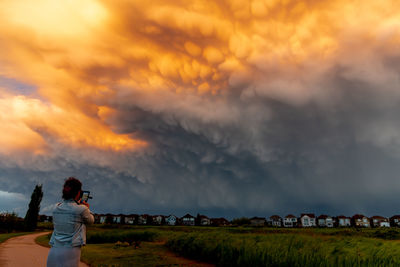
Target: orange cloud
{"x": 82, "y": 55}
{"x": 28, "y": 123}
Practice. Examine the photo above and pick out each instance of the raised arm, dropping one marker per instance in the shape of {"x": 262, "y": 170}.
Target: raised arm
{"x": 87, "y": 216}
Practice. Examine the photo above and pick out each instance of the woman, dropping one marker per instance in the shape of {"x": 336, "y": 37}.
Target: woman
{"x": 69, "y": 219}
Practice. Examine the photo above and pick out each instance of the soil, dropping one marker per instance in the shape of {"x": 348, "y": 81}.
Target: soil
{"x": 23, "y": 251}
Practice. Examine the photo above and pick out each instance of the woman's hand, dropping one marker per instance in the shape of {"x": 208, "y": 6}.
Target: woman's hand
{"x": 85, "y": 203}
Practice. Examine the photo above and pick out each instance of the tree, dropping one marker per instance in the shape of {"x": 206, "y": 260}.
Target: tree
{"x": 241, "y": 221}
{"x": 149, "y": 220}
{"x": 197, "y": 221}
{"x": 109, "y": 219}
{"x": 32, "y": 214}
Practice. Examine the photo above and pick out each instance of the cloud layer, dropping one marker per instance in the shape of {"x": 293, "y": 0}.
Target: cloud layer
{"x": 232, "y": 108}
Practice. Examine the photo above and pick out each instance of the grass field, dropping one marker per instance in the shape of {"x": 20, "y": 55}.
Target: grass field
{"x": 240, "y": 246}
{"x": 4, "y": 237}
{"x": 107, "y": 252}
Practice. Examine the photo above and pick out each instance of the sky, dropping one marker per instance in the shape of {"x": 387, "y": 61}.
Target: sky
{"x": 224, "y": 108}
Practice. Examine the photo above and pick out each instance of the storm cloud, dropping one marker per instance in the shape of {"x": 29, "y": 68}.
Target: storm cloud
{"x": 234, "y": 108}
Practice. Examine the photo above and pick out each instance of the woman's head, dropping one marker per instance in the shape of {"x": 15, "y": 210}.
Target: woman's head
{"x": 72, "y": 187}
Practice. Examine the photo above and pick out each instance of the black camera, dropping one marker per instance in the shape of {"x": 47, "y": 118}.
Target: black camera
{"x": 85, "y": 196}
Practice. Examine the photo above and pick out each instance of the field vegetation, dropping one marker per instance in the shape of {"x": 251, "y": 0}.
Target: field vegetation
{"x": 240, "y": 246}
{"x": 287, "y": 249}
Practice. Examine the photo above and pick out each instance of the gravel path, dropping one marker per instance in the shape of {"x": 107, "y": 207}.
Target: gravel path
{"x": 23, "y": 251}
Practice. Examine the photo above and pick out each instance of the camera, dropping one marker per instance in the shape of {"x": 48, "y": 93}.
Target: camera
{"x": 85, "y": 196}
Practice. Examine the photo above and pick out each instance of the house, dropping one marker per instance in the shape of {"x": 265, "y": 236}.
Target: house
{"x": 343, "y": 221}
{"x": 307, "y": 220}
{"x": 219, "y": 222}
{"x": 110, "y": 218}
{"x": 171, "y": 220}
{"x": 142, "y": 219}
{"x": 188, "y": 220}
{"x": 204, "y": 220}
{"x": 257, "y": 221}
{"x": 275, "y": 221}
{"x": 325, "y": 221}
{"x": 102, "y": 218}
{"x": 131, "y": 219}
{"x": 395, "y": 221}
{"x": 118, "y": 219}
{"x": 379, "y": 221}
{"x": 158, "y": 219}
{"x": 359, "y": 220}
{"x": 290, "y": 221}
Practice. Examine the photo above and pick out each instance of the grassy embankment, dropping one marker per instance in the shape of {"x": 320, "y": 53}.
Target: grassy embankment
{"x": 243, "y": 246}
{"x": 4, "y": 237}
{"x": 138, "y": 246}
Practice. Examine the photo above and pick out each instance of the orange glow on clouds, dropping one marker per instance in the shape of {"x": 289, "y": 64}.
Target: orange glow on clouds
{"x": 80, "y": 53}
{"x": 27, "y": 122}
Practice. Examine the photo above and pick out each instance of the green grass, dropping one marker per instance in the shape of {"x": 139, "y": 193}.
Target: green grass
{"x": 240, "y": 246}
{"x": 148, "y": 254}
{"x": 311, "y": 247}
{"x": 113, "y": 236}
{"x": 43, "y": 240}
{"x": 4, "y": 237}
{"x": 113, "y": 254}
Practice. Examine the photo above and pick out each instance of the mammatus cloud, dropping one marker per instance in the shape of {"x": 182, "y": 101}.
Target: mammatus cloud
{"x": 231, "y": 107}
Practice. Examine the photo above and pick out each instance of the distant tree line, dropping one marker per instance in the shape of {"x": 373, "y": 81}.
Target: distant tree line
{"x": 9, "y": 222}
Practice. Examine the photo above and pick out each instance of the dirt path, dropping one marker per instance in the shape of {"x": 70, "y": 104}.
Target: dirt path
{"x": 23, "y": 251}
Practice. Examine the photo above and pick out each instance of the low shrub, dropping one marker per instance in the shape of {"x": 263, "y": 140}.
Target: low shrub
{"x": 390, "y": 234}
{"x": 120, "y": 235}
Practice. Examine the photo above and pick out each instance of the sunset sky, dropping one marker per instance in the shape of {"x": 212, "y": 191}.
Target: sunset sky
{"x": 225, "y": 108}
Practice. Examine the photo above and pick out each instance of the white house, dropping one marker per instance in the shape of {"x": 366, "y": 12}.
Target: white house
{"x": 379, "y": 221}
{"x": 117, "y": 218}
{"x": 100, "y": 218}
{"x": 142, "y": 219}
{"x": 158, "y": 219}
{"x": 188, "y": 220}
{"x": 360, "y": 220}
{"x": 290, "y": 221}
{"x": 275, "y": 221}
{"x": 307, "y": 220}
{"x": 343, "y": 221}
{"x": 395, "y": 220}
{"x": 204, "y": 220}
{"x": 170, "y": 220}
{"x": 131, "y": 219}
{"x": 325, "y": 221}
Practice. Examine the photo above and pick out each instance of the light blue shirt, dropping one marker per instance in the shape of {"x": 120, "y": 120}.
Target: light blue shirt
{"x": 69, "y": 219}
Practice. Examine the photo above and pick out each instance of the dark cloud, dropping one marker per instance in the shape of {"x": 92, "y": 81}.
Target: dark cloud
{"x": 244, "y": 113}
{"x": 339, "y": 158}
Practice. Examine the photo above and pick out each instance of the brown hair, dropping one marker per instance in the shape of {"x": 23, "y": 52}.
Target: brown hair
{"x": 72, "y": 187}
